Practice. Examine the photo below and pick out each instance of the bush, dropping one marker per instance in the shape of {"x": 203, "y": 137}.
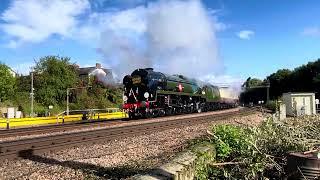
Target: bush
{"x": 271, "y": 105}
{"x": 231, "y": 141}
{"x": 256, "y": 152}
{"x": 235, "y": 144}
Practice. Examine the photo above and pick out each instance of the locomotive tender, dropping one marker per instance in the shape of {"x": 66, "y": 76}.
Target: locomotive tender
{"x": 150, "y": 94}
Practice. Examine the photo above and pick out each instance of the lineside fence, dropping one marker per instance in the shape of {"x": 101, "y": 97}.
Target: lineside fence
{"x": 75, "y": 115}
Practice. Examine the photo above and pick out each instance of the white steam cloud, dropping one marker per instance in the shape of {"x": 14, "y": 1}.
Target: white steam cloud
{"x": 106, "y": 79}
{"x": 171, "y": 36}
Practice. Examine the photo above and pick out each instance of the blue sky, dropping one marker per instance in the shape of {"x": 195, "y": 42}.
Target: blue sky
{"x": 253, "y": 37}
{"x": 281, "y": 35}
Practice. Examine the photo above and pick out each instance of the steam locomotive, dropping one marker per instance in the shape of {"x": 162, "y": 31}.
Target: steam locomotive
{"x": 150, "y": 94}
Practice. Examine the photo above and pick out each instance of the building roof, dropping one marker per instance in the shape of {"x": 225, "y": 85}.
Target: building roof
{"x": 88, "y": 70}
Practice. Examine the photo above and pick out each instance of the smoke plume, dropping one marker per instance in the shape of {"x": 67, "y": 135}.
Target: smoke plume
{"x": 175, "y": 37}
{"x": 102, "y": 77}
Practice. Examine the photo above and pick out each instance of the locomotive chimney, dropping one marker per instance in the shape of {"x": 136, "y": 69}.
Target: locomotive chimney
{"x": 98, "y": 65}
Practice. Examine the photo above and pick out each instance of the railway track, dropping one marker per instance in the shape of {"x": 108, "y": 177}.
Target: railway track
{"x": 25, "y": 147}
{"x": 38, "y": 130}
{"x": 57, "y": 128}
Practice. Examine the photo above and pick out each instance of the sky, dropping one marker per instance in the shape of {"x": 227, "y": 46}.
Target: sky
{"x": 220, "y": 41}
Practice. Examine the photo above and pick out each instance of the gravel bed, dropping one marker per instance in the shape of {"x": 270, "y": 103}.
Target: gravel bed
{"x": 117, "y": 159}
{"x": 114, "y": 124}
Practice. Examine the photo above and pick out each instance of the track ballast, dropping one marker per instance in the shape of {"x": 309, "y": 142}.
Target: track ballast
{"x": 25, "y": 147}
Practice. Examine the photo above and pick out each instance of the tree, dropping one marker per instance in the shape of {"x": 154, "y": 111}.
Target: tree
{"x": 252, "y": 82}
{"x": 305, "y": 78}
{"x": 279, "y": 82}
{"x": 255, "y": 91}
{"x": 23, "y": 83}
{"x": 7, "y": 83}
{"x": 53, "y": 75}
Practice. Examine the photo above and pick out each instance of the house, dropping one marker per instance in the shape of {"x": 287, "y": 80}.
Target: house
{"x": 85, "y": 72}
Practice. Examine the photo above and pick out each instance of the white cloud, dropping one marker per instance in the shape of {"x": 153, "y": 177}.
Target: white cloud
{"x": 115, "y": 20}
{"x": 219, "y": 26}
{"x": 34, "y": 21}
{"x": 312, "y": 31}
{"x": 245, "y": 34}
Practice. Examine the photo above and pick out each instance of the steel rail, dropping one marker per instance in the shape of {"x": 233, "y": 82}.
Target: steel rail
{"x": 56, "y": 127}
{"x": 23, "y": 148}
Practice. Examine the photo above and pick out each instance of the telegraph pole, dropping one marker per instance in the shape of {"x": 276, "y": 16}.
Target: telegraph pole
{"x": 31, "y": 94}
{"x": 68, "y": 101}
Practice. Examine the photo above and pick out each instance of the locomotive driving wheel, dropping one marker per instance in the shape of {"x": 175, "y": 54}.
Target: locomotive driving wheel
{"x": 148, "y": 113}
{"x": 198, "y": 107}
{"x": 132, "y": 115}
{"x": 168, "y": 111}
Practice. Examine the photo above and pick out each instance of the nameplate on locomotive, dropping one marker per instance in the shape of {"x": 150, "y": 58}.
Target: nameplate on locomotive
{"x": 136, "y": 79}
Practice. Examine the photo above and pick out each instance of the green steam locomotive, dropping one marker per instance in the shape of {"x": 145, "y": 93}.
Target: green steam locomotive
{"x": 150, "y": 94}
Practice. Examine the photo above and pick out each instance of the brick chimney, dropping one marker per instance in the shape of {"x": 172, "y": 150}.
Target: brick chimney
{"x": 98, "y": 65}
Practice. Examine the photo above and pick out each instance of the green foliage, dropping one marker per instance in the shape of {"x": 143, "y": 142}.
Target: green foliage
{"x": 261, "y": 151}
{"x": 230, "y": 140}
{"x": 7, "y": 83}
{"x": 279, "y": 82}
{"x": 271, "y": 105}
{"x": 22, "y": 101}
{"x": 96, "y": 97}
{"x": 234, "y": 144}
{"x": 252, "y": 82}
{"x": 53, "y": 75}
{"x": 202, "y": 169}
{"x": 23, "y": 83}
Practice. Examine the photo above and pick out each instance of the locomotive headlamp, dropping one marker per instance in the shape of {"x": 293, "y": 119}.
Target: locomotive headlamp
{"x": 125, "y": 98}
{"x": 146, "y": 95}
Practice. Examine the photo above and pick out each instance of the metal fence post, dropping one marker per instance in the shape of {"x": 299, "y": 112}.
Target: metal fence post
{"x": 8, "y": 123}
